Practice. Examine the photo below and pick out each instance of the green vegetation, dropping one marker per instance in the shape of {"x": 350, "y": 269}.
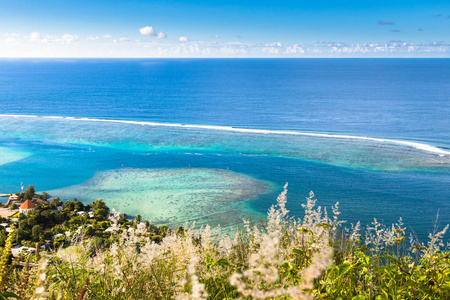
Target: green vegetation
{"x": 110, "y": 257}
{"x": 29, "y": 193}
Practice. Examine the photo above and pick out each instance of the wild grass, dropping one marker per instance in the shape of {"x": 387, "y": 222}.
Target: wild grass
{"x": 314, "y": 257}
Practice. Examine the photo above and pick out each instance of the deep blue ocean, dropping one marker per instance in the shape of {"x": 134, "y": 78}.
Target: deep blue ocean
{"x": 373, "y": 134}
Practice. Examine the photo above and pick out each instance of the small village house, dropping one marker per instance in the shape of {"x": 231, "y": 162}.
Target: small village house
{"x": 26, "y": 207}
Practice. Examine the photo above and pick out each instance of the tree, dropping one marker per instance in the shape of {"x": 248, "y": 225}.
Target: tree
{"x": 100, "y": 213}
{"x": 69, "y": 205}
{"x": 56, "y": 202}
{"x": 180, "y": 231}
{"x": 138, "y": 219}
{"x": 36, "y": 232}
{"x": 122, "y": 218}
{"x": 89, "y": 231}
{"x": 164, "y": 230}
{"x": 99, "y": 203}
{"x": 21, "y": 235}
{"x": 152, "y": 228}
{"x": 100, "y": 209}
{"x": 29, "y": 193}
{"x": 45, "y": 196}
{"x": 78, "y": 205}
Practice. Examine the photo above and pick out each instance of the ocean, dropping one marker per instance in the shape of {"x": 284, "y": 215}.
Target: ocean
{"x": 215, "y": 140}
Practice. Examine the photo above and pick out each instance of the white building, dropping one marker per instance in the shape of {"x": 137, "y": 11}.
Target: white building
{"x": 26, "y": 207}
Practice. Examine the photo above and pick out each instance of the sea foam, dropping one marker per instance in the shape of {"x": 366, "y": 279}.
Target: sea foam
{"x": 411, "y": 144}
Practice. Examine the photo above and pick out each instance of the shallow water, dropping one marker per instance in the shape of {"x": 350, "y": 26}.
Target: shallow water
{"x": 339, "y": 150}
{"x": 173, "y": 196}
{"x": 371, "y": 134}
{"x": 10, "y": 154}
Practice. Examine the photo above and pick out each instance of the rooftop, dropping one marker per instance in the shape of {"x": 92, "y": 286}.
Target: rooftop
{"x": 28, "y": 205}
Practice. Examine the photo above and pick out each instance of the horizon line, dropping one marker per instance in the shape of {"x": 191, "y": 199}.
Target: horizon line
{"x": 225, "y": 57}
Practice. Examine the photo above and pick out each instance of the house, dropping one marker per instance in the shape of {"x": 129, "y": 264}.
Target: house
{"x": 46, "y": 247}
{"x": 26, "y": 207}
{"x": 39, "y": 201}
{"x": 57, "y": 236}
{"x": 17, "y": 250}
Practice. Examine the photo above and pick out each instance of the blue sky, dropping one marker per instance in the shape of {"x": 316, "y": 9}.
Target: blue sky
{"x": 99, "y": 28}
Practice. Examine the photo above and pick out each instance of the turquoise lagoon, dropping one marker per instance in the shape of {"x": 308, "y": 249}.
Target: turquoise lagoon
{"x": 173, "y": 196}
{"x": 175, "y": 174}
{"x": 372, "y": 134}
{"x": 9, "y": 154}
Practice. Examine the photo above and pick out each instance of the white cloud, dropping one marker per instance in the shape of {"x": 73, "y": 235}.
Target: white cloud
{"x": 35, "y": 37}
{"x": 11, "y": 38}
{"x": 295, "y": 49}
{"x": 37, "y": 44}
{"x": 149, "y": 31}
{"x": 124, "y": 39}
{"x": 48, "y": 39}
{"x": 92, "y": 38}
{"x": 68, "y": 38}
{"x": 278, "y": 44}
{"x": 217, "y": 36}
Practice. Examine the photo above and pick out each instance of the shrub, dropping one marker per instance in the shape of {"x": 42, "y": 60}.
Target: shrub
{"x": 282, "y": 258}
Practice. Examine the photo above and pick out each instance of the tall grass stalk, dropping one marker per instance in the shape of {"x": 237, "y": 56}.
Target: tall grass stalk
{"x": 312, "y": 257}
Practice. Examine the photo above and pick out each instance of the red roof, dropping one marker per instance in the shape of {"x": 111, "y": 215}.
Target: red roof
{"x": 28, "y": 205}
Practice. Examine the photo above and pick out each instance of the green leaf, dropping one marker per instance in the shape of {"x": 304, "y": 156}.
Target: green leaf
{"x": 446, "y": 286}
{"x": 298, "y": 251}
{"x": 359, "y": 297}
{"x": 222, "y": 262}
{"x": 353, "y": 278}
{"x": 304, "y": 230}
{"x": 324, "y": 225}
{"x": 344, "y": 269}
{"x": 394, "y": 259}
{"x": 288, "y": 265}
{"x": 208, "y": 259}
{"x": 7, "y": 295}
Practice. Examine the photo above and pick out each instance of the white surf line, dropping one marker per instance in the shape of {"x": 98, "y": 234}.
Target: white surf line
{"x": 416, "y": 145}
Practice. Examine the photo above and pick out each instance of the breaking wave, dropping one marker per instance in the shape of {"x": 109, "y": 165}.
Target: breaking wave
{"x": 415, "y": 145}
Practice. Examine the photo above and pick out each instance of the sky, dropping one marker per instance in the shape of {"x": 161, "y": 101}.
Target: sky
{"x": 217, "y": 28}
